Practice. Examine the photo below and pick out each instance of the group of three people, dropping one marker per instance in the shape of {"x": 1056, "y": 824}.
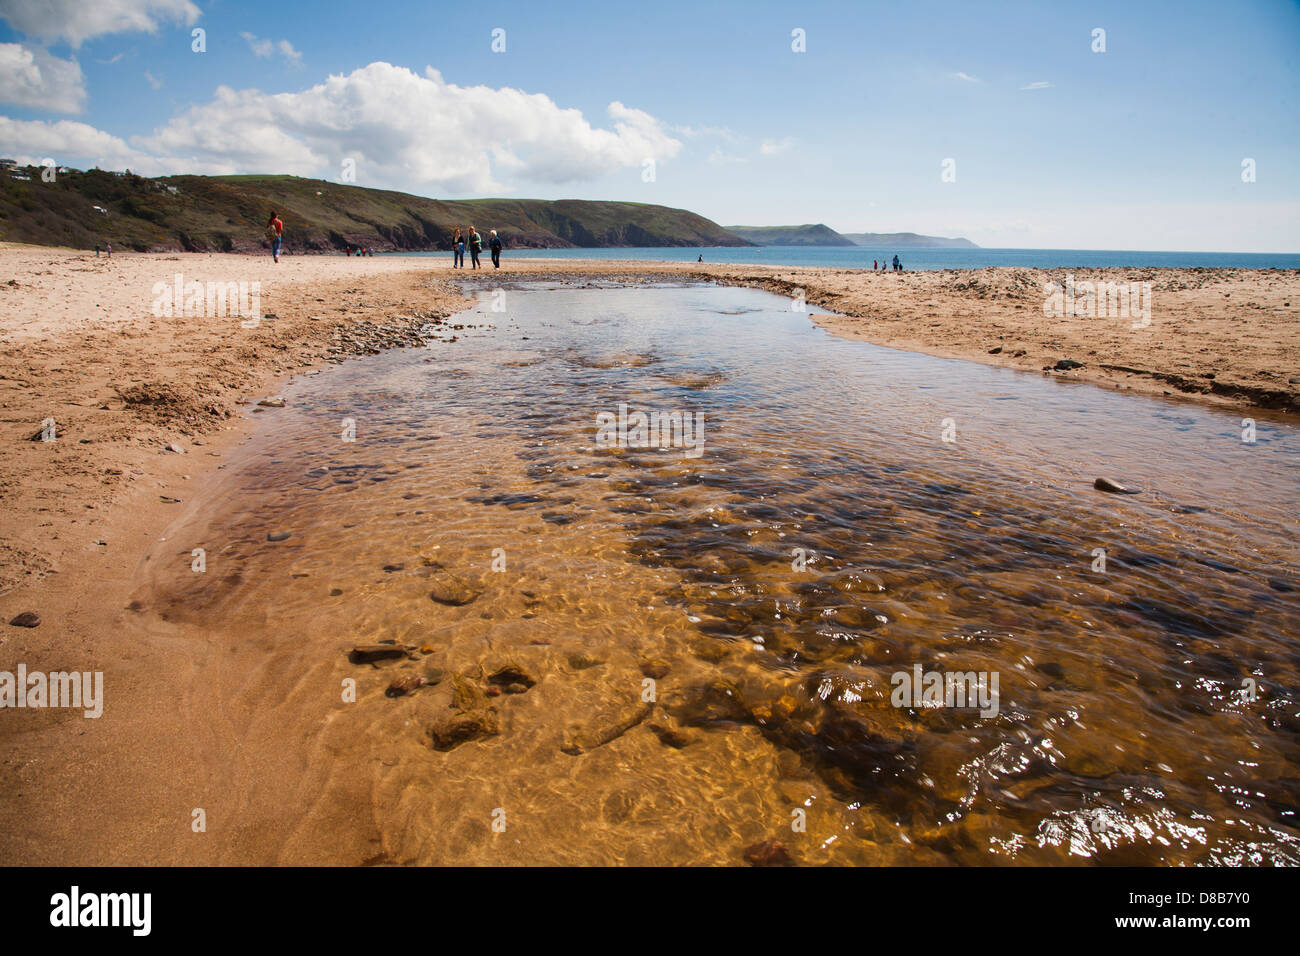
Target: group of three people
{"x": 475, "y": 243}
{"x": 275, "y": 233}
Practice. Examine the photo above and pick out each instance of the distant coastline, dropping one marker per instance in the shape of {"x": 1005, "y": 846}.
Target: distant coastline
{"x": 820, "y": 234}
{"x": 929, "y": 259}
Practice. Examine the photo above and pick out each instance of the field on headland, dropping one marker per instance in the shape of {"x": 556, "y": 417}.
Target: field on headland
{"x": 144, "y": 408}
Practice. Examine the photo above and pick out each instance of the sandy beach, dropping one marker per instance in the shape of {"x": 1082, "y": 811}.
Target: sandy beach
{"x": 145, "y": 408}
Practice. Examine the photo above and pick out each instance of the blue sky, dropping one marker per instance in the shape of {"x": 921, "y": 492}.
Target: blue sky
{"x": 1053, "y": 144}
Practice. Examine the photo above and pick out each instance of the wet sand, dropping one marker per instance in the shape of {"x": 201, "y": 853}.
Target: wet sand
{"x": 80, "y": 346}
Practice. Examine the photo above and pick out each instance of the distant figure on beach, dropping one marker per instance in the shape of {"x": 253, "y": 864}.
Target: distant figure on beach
{"x": 348, "y": 250}
{"x": 495, "y": 245}
{"x": 457, "y": 251}
{"x": 275, "y": 232}
{"x": 97, "y": 252}
{"x": 898, "y": 266}
{"x": 109, "y": 250}
{"x": 874, "y": 263}
{"x": 475, "y": 247}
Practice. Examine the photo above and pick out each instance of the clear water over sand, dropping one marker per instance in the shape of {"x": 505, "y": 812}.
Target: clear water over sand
{"x": 649, "y": 678}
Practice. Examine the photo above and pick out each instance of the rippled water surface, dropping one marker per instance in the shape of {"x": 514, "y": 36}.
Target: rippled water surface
{"x": 638, "y": 656}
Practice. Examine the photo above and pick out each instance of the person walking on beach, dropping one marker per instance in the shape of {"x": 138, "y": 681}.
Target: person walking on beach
{"x": 898, "y": 266}
{"x": 457, "y": 250}
{"x": 495, "y": 245}
{"x": 275, "y": 232}
{"x": 475, "y": 246}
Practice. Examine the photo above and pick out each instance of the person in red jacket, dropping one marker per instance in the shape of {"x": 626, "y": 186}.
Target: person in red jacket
{"x": 275, "y": 232}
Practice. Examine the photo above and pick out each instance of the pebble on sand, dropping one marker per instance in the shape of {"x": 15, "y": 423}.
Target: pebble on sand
{"x": 511, "y": 676}
{"x": 278, "y": 535}
{"x": 449, "y": 589}
{"x": 405, "y": 685}
{"x": 27, "y": 619}
{"x": 1114, "y": 487}
{"x": 768, "y": 853}
{"x": 369, "y": 653}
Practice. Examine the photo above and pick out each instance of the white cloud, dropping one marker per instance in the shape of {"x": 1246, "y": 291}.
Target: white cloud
{"x": 153, "y": 80}
{"x": 260, "y": 48}
{"x": 1038, "y": 85}
{"x": 289, "y": 53}
{"x": 721, "y": 131}
{"x": 770, "y": 147}
{"x": 966, "y": 77}
{"x": 74, "y": 144}
{"x": 719, "y": 158}
{"x": 266, "y": 48}
{"x": 403, "y": 130}
{"x": 78, "y": 20}
{"x": 31, "y": 77}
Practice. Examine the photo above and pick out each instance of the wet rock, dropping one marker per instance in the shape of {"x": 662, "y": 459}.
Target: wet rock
{"x": 579, "y": 740}
{"x": 451, "y": 590}
{"x": 709, "y": 703}
{"x": 1114, "y": 487}
{"x": 335, "y": 592}
{"x": 467, "y": 695}
{"x": 370, "y": 653}
{"x": 516, "y": 688}
{"x": 715, "y": 652}
{"x": 461, "y": 728}
{"x": 656, "y": 669}
{"x": 996, "y": 350}
{"x": 405, "y": 685}
{"x": 768, "y": 853}
{"x": 27, "y": 619}
{"x": 670, "y": 733}
{"x": 581, "y": 661}
{"x": 511, "y": 674}
{"x": 494, "y": 691}
{"x": 1065, "y": 365}
{"x": 278, "y": 535}
{"x": 276, "y": 402}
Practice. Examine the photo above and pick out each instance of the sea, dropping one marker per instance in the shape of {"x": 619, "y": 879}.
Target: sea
{"x": 861, "y": 257}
